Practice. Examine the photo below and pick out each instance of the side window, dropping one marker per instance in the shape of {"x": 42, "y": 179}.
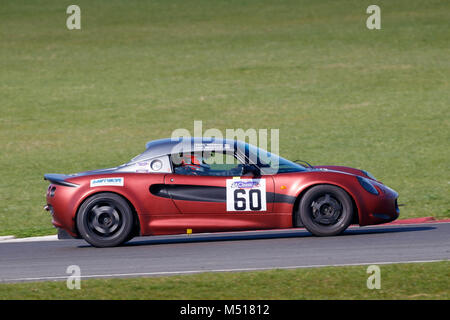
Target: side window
{"x": 207, "y": 163}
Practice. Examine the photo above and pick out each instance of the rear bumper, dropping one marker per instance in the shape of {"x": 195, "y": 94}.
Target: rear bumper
{"x": 60, "y": 208}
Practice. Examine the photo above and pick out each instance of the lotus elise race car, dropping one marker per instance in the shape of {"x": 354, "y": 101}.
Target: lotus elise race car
{"x": 194, "y": 185}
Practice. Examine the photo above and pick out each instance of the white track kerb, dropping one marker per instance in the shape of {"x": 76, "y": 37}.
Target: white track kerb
{"x": 11, "y": 239}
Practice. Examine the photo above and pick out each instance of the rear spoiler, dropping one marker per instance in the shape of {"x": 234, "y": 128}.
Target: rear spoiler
{"x": 59, "y": 179}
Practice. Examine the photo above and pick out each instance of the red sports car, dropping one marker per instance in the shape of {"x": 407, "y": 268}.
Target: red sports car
{"x": 194, "y": 185}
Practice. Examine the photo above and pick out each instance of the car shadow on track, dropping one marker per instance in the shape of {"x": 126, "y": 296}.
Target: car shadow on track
{"x": 261, "y": 235}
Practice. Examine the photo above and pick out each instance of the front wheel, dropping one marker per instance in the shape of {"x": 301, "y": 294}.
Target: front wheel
{"x": 325, "y": 210}
{"x": 105, "y": 220}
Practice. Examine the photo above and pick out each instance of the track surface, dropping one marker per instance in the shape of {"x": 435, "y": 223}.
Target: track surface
{"x": 254, "y": 250}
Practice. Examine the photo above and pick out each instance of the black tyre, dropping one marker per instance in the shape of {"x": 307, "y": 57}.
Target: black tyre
{"x": 325, "y": 210}
{"x": 105, "y": 220}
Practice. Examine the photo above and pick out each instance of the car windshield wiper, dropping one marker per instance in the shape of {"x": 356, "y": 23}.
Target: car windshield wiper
{"x": 304, "y": 162}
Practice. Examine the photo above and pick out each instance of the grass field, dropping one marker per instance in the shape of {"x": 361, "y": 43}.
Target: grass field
{"x": 339, "y": 93}
{"x": 398, "y": 281}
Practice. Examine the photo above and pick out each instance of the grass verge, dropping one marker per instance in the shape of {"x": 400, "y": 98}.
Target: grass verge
{"x": 398, "y": 281}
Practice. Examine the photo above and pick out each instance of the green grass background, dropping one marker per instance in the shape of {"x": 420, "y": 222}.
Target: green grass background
{"x": 339, "y": 93}
{"x": 398, "y": 281}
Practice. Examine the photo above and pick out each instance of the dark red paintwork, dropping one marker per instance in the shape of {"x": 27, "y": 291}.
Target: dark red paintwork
{"x": 159, "y": 215}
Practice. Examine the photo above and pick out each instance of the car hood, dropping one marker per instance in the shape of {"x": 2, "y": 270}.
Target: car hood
{"x": 356, "y": 172}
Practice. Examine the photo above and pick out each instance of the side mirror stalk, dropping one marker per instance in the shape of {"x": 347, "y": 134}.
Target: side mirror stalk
{"x": 249, "y": 168}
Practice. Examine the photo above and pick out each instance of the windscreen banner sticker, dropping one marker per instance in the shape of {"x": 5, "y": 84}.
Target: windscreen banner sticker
{"x": 246, "y": 195}
{"x": 107, "y": 182}
{"x": 212, "y": 146}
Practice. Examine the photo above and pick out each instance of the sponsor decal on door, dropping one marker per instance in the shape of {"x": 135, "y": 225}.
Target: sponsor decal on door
{"x": 246, "y": 195}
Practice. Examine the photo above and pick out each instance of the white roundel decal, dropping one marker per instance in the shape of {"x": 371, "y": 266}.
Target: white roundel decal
{"x": 156, "y": 165}
{"x": 246, "y": 195}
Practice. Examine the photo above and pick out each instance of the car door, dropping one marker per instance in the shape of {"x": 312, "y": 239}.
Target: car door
{"x": 205, "y": 203}
{"x": 221, "y": 199}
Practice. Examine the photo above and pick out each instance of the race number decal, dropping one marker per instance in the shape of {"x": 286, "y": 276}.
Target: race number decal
{"x": 246, "y": 195}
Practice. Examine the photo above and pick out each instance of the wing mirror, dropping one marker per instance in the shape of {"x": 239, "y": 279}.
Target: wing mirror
{"x": 250, "y": 168}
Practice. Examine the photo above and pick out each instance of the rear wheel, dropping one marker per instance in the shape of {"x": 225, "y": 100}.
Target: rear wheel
{"x": 325, "y": 210}
{"x": 105, "y": 220}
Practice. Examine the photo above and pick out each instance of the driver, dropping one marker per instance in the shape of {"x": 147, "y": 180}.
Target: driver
{"x": 191, "y": 164}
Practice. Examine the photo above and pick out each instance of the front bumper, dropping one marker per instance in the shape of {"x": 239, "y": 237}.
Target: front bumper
{"x": 386, "y": 208}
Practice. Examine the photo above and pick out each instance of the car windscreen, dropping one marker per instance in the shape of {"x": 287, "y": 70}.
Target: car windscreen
{"x": 268, "y": 162}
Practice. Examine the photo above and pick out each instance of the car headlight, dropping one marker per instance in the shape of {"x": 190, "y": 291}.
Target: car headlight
{"x": 365, "y": 183}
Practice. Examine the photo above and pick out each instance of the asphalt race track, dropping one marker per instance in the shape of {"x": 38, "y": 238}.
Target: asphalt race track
{"x": 237, "y": 251}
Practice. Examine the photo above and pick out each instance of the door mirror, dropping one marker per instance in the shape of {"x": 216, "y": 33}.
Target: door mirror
{"x": 251, "y": 169}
